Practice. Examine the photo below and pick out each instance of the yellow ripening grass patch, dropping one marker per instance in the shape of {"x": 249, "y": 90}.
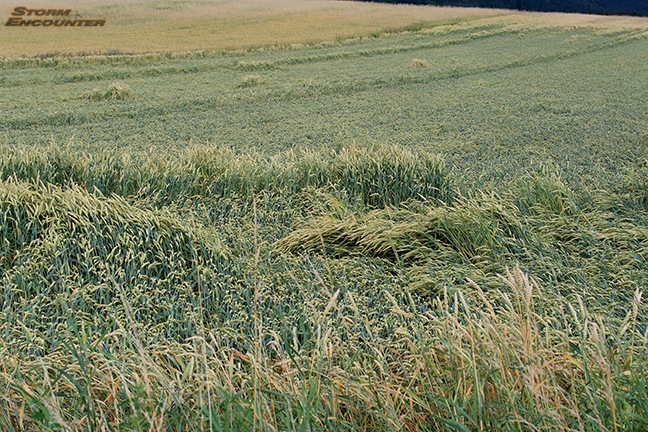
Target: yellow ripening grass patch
{"x": 174, "y": 25}
{"x": 171, "y": 25}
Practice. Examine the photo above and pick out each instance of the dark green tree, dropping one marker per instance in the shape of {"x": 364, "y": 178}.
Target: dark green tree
{"x": 615, "y": 7}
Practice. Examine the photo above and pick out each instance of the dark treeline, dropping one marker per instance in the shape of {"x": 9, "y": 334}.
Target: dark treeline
{"x": 615, "y": 7}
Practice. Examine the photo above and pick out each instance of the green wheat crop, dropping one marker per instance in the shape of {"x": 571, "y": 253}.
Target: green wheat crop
{"x": 329, "y": 236}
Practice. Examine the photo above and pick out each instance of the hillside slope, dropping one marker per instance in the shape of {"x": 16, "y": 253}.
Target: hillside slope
{"x": 617, "y": 7}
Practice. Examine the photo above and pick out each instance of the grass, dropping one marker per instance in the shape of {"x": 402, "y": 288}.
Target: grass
{"x": 218, "y": 25}
{"x": 251, "y": 81}
{"x": 418, "y": 63}
{"x": 329, "y": 236}
{"x": 116, "y": 91}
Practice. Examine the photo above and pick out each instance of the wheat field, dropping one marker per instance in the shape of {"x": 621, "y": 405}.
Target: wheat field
{"x": 215, "y": 25}
{"x": 218, "y": 25}
{"x": 433, "y": 219}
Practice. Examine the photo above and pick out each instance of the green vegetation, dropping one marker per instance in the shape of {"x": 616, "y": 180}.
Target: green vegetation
{"x": 116, "y": 91}
{"x": 437, "y": 228}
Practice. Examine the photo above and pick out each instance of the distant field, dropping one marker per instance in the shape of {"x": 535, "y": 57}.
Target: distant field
{"x": 222, "y": 25}
{"x": 496, "y": 98}
{"x": 215, "y": 25}
{"x": 442, "y": 226}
